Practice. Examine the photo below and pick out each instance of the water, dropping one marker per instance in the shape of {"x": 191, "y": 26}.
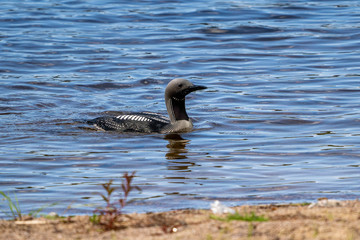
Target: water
{"x": 279, "y": 121}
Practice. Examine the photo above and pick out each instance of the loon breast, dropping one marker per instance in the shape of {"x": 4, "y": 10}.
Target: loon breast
{"x": 144, "y": 122}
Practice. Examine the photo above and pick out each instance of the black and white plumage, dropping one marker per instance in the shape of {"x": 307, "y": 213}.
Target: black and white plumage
{"x": 148, "y": 122}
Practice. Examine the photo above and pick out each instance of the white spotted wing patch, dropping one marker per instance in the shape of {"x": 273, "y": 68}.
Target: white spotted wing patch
{"x": 131, "y": 117}
{"x": 156, "y": 117}
{"x": 143, "y": 117}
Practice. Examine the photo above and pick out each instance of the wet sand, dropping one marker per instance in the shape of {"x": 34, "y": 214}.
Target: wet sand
{"x": 323, "y": 220}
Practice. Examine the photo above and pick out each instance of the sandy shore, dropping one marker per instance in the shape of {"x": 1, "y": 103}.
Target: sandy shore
{"x": 323, "y": 220}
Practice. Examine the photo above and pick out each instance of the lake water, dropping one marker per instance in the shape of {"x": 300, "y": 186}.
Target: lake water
{"x": 279, "y": 122}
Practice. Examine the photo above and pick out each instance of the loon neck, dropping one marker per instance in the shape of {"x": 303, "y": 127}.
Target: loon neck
{"x": 176, "y": 109}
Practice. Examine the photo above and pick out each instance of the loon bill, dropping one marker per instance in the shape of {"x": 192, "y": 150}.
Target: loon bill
{"x": 148, "y": 122}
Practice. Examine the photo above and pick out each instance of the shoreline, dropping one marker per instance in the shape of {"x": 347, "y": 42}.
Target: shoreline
{"x": 325, "y": 219}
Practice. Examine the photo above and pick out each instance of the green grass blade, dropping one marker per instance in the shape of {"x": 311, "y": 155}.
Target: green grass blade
{"x": 34, "y": 213}
{"x": 13, "y": 207}
{"x": 17, "y": 207}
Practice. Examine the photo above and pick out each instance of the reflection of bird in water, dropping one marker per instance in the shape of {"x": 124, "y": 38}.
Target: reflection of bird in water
{"x": 176, "y": 146}
{"x": 148, "y": 122}
{"x": 177, "y": 150}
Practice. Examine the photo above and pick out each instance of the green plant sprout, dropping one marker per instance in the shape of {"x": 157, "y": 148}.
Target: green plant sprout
{"x": 252, "y": 217}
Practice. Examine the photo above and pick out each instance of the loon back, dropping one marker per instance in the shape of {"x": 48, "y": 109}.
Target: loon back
{"x": 144, "y": 122}
{"x": 148, "y": 122}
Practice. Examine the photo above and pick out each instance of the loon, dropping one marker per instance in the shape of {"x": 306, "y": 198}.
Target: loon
{"x": 148, "y": 122}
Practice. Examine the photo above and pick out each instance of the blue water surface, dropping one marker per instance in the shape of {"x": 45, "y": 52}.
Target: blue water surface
{"x": 279, "y": 121}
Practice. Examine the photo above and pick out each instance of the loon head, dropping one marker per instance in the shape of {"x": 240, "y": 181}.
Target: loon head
{"x": 175, "y": 93}
{"x": 178, "y": 88}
